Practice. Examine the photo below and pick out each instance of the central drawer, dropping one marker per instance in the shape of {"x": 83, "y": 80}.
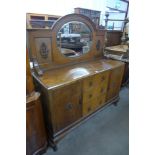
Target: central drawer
{"x": 93, "y": 104}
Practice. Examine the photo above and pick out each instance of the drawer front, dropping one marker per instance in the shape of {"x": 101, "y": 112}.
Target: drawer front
{"x": 88, "y": 106}
{"x": 101, "y": 100}
{"x": 93, "y": 104}
{"x": 89, "y": 95}
{"x": 96, "y": 81}
{"x": 101, "y": 80}
{"x": 88, "y": 84}
{"x": 66, "y": 107}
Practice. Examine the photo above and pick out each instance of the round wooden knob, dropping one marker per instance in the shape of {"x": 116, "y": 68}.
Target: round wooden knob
{"x": 90, "y": 95}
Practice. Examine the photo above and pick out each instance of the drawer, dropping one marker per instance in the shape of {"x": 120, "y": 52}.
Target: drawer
{"x": 94, "y": 93}
{"x": 100, "y": 101}
{"x": 101, "y": 79}
{"x": 88, "y": 106}
{"x": 89, "y": 95}
{"x": 93, "y": 104}
{"x": 100, "y": 90}
{"x": 96, "y": 81}
{"x": 88, "y": 83}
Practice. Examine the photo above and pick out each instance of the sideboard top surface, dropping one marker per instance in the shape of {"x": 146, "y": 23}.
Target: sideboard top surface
{"x": 55, "y": 78}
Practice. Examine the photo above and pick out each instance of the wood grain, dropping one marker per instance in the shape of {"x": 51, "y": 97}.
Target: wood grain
{"x": 35, "y": 131}
{"x": 29, "y": 80}
{"x": 73, "y": 89}
{"x": 76, "y": 91}
{"x": 58, "y": 77}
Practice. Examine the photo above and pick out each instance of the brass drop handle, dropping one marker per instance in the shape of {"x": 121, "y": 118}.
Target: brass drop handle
{"x": 69, "y": 106}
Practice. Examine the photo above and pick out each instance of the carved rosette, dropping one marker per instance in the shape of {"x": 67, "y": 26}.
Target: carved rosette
{"x": 44, "y": 51}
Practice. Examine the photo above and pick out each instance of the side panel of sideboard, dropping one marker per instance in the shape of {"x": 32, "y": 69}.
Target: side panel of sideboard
{"x": 36, "y": 141}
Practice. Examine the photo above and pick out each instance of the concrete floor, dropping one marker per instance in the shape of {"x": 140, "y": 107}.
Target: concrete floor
{"x": 107, "y": 133}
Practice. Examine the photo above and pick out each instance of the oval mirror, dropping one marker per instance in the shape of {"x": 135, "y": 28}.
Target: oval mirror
{"x": 74, "y": 39}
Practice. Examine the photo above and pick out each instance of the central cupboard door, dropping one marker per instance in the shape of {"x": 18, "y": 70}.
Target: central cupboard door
{"x": 66, "y": 107}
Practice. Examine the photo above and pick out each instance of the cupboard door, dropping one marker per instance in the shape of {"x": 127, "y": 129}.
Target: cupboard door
{"x": 115, "y": 82}
{"x": 35, "y": 130}
{"x": 66, "y": 106}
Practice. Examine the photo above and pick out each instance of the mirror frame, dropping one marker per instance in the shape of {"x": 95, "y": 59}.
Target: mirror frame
{"x": 90, "y": 33}
{"x": 60, "y": 58}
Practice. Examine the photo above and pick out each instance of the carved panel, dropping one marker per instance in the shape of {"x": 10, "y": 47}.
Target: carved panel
{"x": 43, "y": 49}
{"x": 66, "y": 106}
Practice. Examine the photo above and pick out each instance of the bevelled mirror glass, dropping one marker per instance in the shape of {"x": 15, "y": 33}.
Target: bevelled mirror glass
{"x": 74, "y": 39}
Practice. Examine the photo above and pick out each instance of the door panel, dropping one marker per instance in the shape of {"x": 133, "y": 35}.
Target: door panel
{"x": 66, "y": 106}
{"x": 115, "y": 82}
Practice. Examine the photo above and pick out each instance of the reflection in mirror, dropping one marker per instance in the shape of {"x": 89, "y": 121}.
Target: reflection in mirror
{"x": 74, "y": 39}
